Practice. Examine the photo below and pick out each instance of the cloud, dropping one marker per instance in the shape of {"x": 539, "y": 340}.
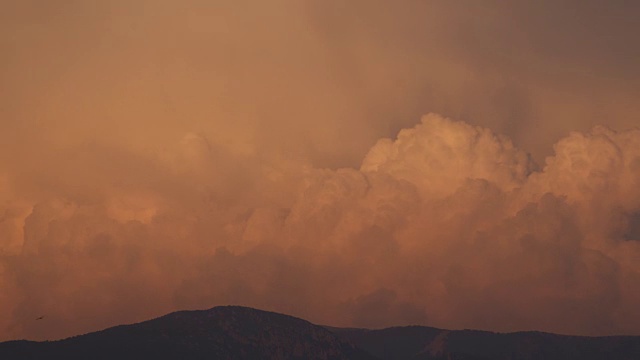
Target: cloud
{"x": 157, "y": 156}
{"x": 439, "y": 155}
{"x": 447, "y": 225}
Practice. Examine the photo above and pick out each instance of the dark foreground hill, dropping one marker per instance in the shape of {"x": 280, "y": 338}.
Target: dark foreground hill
{"x": 233, "y": 332}
{"x": 424, "y": 343}
{"x": 227, "y": 332}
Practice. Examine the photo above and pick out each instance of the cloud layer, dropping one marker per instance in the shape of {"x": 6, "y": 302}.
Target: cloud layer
{"x": 447, "y": 225}
{"x": 157, "y": 155}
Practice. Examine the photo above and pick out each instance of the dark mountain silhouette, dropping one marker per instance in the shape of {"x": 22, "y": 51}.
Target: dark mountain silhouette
{"x": 422, "y": 343}
{"x": 233, "y": 332}
{"x": 227, "y": 332}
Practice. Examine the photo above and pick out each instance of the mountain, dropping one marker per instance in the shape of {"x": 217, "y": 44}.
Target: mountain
{"x": 424, "y": 343}
{"x": 228, "y": 332}
{"x": 233, "y": 332}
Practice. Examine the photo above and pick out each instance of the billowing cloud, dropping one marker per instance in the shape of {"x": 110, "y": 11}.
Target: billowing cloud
{"x": 158, "y": 156}
{"x": 448, "y": 225}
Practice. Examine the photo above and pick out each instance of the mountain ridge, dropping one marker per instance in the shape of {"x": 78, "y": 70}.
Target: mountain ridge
{"x": 236, "y": 332}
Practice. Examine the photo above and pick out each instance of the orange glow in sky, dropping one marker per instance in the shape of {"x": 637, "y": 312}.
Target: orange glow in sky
{"x": 363, "y": 163}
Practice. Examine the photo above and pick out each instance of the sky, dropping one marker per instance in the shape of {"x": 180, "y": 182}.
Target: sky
{"x": 457, "y": 164}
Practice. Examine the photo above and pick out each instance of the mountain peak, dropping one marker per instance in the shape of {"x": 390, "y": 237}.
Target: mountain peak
{"x": 223, "y": 332}
{"x": 236, "y": 332}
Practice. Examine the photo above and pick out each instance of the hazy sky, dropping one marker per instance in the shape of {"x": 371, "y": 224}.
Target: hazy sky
{"x": 460, "y": 164}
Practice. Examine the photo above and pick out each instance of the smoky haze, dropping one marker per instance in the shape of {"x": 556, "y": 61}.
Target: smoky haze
{"x": 361, "y": 163}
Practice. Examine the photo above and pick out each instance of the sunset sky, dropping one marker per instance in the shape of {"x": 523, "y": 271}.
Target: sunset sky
{"x": 362, "y": 163}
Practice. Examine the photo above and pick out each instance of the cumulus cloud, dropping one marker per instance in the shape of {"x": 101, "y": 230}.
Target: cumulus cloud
{"x": 438, "y": 156}
{"x": 158, "y": 156}
{"x": 446, "y": 225}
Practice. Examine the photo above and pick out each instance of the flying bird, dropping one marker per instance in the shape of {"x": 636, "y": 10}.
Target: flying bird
{"x": 40, "y": 318}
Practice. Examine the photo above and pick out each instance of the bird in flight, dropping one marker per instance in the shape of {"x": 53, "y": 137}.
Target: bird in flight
{"x": 40, "y": 318}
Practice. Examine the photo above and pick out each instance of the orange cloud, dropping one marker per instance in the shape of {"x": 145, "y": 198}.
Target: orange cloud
{"x": 157, "y": 155}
